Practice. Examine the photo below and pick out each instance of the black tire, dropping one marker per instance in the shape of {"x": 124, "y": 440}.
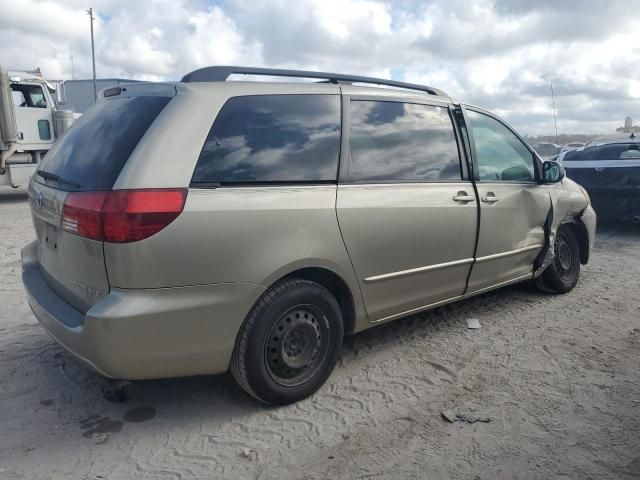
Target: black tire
{"x": 563, "y": 274}
{"x": 290, "y": 342}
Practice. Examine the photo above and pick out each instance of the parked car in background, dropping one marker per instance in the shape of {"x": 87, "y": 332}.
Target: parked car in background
{"x": 609, "y": 169}
{"x": 188, "y": 228}
{"x": 571, "y": 146}
{"x": 546, "y": 149}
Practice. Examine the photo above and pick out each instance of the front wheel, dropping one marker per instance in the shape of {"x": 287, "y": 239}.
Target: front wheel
{"x": 563, "y": 274}
{"x": 289, "y": 343}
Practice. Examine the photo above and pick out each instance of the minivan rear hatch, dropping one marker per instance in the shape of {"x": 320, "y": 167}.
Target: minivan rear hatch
{"x": 88, "y": 158}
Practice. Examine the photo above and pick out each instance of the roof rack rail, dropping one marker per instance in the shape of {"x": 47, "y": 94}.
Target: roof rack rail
{"x": 222, "y": 73}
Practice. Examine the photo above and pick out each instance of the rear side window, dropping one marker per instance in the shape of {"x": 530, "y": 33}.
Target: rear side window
{"x": 272, "y": 139}
{"x": 605, "y": 152}
{"x": 91, "y": 155}
{"x": 393, "y": 141}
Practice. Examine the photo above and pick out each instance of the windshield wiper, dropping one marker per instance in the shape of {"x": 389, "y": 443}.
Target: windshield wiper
{"x": 206, "y": 184}
{"x": 56, "y": 178}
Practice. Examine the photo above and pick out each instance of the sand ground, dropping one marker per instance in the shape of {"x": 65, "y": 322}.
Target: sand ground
{"x": 559, "y": 377}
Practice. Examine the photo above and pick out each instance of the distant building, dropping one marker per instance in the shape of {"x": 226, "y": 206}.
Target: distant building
{"x": 629, "y": 127}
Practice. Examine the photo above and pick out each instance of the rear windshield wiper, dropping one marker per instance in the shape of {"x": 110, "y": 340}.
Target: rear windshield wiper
{"x": 206, "y": 184}
{"x": 56, "y": 178}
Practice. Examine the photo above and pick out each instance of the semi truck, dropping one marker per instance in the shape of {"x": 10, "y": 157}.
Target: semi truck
{"x": 30, "y": 123}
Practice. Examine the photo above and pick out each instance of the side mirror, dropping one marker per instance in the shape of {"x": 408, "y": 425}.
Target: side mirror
{"x": 552, "y": 172}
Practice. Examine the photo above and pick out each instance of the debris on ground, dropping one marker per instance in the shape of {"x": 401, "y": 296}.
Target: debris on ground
{"x": 449, "y": 415}
{"x": 246, "y": 453}
{"x": 473, "y": 323}
{"x": 468, "y": 417}
{"x": 99, "y": 438}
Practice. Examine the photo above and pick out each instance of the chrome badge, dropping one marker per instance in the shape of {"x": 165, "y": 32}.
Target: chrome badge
{"x": 88, "y": 289}
{"x": 39, "y": 200}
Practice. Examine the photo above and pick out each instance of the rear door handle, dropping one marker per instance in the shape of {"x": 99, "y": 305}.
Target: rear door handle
{"x": 463, "y": 197}
{"x": 490, "y": 199}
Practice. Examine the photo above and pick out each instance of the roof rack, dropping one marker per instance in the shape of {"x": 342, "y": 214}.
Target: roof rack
{"x": 222, "y": 73}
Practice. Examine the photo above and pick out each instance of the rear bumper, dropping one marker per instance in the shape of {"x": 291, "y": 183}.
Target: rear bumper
{"x": 145, "y": 333}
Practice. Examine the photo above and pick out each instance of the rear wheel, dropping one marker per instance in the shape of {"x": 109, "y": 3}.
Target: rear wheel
{"x": 290, "y": 342}
{"x": 563, "y": 274}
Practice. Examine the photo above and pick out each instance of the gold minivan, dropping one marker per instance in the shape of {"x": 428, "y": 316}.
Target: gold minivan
{"x": 194, "y": 227}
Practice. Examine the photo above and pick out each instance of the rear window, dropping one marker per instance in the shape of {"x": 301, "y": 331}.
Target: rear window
{"x": 91, "y": 155}
{"x": 404, "y": 142}
{"x": 618, "y": 151}
{"x": 272, "y": 139}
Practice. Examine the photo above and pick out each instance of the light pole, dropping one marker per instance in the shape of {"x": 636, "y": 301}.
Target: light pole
{"x": 555, "y": 118}
{"x": 93, "y": 56}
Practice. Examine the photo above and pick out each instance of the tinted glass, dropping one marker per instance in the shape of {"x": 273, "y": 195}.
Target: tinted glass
{"x": 94, "y": 150}
{"x": 605, "y": 152}
{"x": 44, "y": 130}
{"x": 32, "y": 96}
{"x": 501, "y": 156}
{"x": 273, "y": 138}
{"x": 392, "y": 141}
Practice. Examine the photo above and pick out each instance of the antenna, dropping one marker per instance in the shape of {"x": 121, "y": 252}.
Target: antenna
{"x": 555, "y": 117}
{"x": 93, "y": 56}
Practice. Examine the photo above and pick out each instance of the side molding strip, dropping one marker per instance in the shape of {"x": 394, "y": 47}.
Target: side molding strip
{"x": 455, "y": 263}
{"x": 497, "y": 256}
{"x": 413, "y": 271}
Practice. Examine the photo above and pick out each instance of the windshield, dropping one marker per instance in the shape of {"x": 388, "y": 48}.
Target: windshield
{"x": 91, "y": 155}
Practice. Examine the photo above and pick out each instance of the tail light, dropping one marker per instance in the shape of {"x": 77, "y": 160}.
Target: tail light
{"x": 121, "y": 216}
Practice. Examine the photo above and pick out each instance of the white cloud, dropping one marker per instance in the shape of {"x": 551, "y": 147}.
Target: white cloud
{"x": 501, "y": 54}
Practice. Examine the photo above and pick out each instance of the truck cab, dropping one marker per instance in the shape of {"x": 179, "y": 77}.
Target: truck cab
{"x": 29, "y": 124}
{"x": 33, "y": 107}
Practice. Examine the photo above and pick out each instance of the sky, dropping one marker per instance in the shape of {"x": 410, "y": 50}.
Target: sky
{"x": 498, "y": 54}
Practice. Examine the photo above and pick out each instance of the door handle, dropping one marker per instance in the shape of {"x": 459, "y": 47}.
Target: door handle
{"x": 463, "y": 197}
{"x": 490, "y": 199}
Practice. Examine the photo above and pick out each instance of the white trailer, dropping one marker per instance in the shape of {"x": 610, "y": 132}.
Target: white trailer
{"x": 29, "y": 124}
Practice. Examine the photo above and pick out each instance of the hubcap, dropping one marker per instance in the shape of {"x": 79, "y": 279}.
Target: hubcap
{"x": 566, "y": 259}
{"x": 296, "y": 346}
{"x": 564, "y": 255}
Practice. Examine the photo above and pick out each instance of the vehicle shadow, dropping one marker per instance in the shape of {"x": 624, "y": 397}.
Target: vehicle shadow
{"x": 13, "y": 195}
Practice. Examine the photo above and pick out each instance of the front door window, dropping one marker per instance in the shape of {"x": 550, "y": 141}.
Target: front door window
{"x": 501, "y": 155}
